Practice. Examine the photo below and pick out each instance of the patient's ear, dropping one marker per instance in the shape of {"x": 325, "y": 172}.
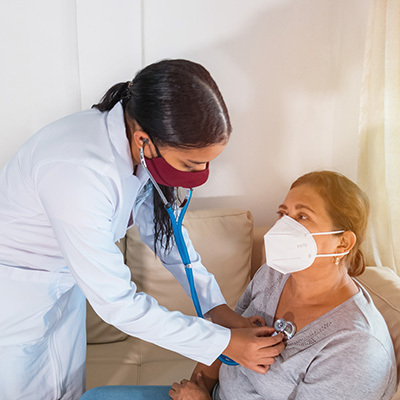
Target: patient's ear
{"x": 347, "y": 242}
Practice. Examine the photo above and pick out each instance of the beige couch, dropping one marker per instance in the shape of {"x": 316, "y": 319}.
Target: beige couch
{"x": 232, "y": 249}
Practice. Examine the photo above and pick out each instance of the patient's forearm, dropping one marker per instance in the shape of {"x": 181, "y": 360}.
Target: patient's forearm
{"x": 210, "y": 374}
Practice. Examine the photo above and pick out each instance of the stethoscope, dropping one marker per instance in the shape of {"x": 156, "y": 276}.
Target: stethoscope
{"x": 286, "y": 327}
{"x": 181, "y": 245}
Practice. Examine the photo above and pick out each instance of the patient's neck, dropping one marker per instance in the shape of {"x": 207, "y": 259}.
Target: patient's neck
{"x": 322, "y": 284}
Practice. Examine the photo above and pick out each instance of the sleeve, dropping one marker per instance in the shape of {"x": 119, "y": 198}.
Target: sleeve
{"x": 207, "y": 288}
{"x": 355, "y": 365}
{"x": 80, "y": 205}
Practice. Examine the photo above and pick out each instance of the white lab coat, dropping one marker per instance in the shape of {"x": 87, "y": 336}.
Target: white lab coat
{"x": 65, "y": 198}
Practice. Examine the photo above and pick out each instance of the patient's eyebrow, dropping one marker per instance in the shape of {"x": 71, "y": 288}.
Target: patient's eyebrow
{"x": 297, "y": 207}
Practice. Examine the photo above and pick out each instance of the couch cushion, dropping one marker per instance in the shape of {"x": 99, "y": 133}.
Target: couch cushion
{"x": 99, "y": 331}
{"x": 384, "y": 287}
{"x": 113, "y": 363}
{"x": 134, "y": 362}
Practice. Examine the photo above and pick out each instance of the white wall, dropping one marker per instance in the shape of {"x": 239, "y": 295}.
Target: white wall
{"x": 290, "y": 72}
{"x": 39, "y": 78}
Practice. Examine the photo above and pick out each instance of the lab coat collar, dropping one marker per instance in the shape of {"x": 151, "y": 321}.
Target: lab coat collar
{"x": 117, "y": 134}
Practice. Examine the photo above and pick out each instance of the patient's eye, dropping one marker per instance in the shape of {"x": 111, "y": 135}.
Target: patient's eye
{"x": 302, "y": 216}
{"x": 281, "y": 214}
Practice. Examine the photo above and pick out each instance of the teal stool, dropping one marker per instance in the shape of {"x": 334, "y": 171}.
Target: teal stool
{"x": 127, "y": 393}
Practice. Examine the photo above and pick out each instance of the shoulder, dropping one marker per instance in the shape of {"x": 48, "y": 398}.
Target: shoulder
{"x": 359, "y": 333}
{"x": 81, "y": 138}
{"x": 265, "y": 287}
{"x": 267, "y": 278}
{"x": 360, "y": 315}
{"x": 74, "y": 192}
{"x": 364, "y": 343}
{"x": 73, "y": 123}
{"x": 355, "y": 326}
{"x": 265, "y": 271}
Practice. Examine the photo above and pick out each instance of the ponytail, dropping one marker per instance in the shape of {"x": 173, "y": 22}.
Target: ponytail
{"x": 356, "y": 265}
{"x": 116, "y": 93}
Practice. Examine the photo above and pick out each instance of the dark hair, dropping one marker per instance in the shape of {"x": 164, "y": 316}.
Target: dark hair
{"x": 178, "y": 104}
{"x": 347, "y": 206}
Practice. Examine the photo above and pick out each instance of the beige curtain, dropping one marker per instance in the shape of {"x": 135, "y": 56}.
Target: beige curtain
{"x": 379, "y": 156}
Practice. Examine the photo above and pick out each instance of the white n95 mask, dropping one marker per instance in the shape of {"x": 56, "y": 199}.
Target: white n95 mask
{"x": 290, "y": 247}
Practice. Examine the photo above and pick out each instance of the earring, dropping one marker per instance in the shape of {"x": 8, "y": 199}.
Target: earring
{"x": 336, "y": 260}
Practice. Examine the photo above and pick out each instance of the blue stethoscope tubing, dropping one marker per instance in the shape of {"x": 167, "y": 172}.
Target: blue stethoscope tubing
{"x": 181, "y": 245}
{"x": 182, "y": 248}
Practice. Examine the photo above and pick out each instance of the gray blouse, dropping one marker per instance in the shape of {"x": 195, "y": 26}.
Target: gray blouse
{"x": 345, "y": 354}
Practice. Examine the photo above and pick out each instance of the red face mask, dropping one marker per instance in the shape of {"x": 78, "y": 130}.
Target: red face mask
{"x": 165, "y": 174}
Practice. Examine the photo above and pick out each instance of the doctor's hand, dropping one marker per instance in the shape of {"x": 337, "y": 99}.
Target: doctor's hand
{"x": 254, "y": 321}
{"x": 255, "y": 348}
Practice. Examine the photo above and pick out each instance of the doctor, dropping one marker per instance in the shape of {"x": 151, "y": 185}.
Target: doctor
{"x": 70, "y": 193}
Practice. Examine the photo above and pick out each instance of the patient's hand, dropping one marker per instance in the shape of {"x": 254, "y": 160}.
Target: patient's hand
{"x": 209, "y": 374}
{"x": 187, "y": 390}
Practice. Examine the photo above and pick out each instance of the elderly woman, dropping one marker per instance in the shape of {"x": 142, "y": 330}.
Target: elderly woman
{"x": 342, "y": 348}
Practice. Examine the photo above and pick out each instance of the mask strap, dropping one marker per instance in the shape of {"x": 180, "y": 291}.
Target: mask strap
{"x": 157, "y": 151}
{"x": 153, "y": 181}
{"x": 333, "y": 255}
{"x": 327, "y": 233}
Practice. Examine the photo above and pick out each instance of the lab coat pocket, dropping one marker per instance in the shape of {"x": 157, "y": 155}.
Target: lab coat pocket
{"x": 28, "y": 299}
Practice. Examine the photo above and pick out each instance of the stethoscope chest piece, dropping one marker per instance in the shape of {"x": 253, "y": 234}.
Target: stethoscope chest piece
{"x": 288, "y": 328}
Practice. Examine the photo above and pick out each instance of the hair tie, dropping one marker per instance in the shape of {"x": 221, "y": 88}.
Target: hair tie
{"x": 128, "y": 90}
